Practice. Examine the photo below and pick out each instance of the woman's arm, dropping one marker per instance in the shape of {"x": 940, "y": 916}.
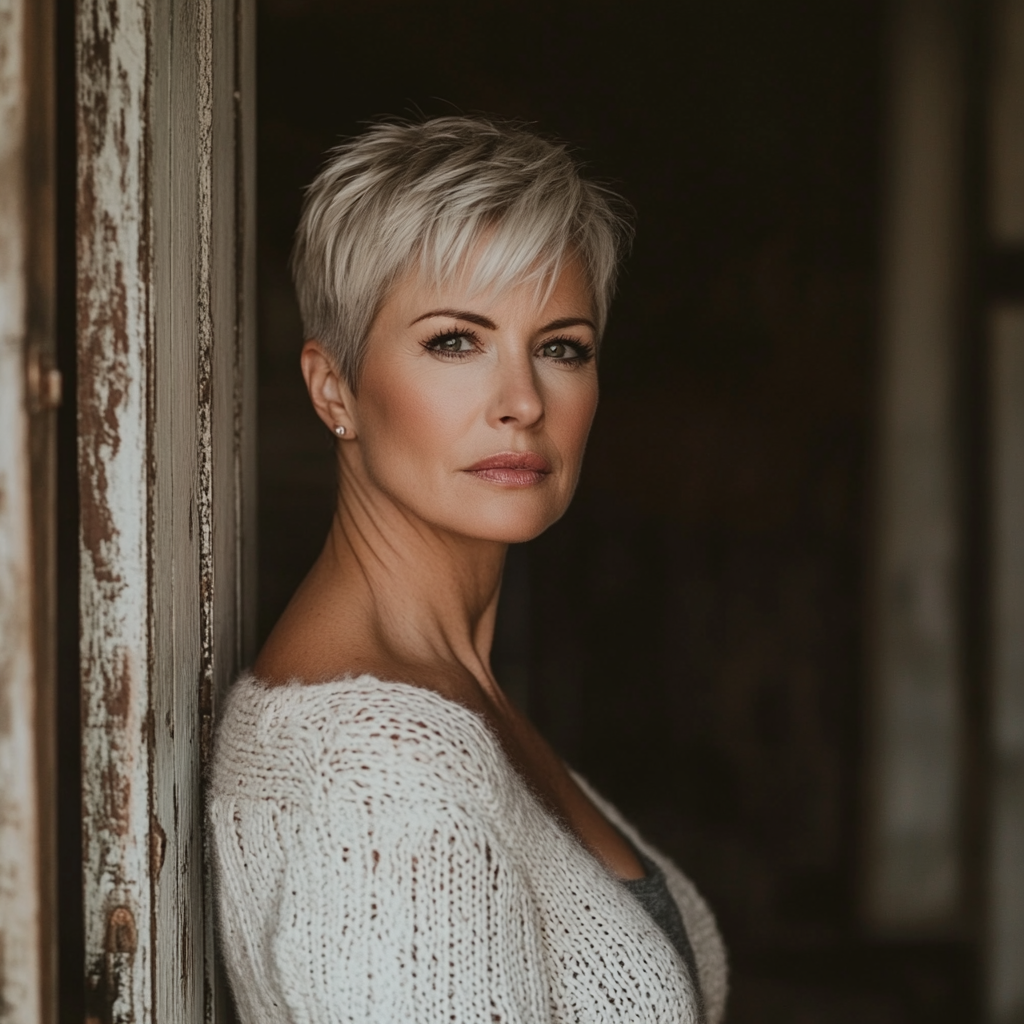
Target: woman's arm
{"x": 374, "y": 912}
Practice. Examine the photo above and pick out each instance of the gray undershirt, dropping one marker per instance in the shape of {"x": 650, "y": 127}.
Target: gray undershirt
{"x": 652, "y": 893}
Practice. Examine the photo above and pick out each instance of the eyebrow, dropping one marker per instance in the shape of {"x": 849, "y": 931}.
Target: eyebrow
{"x": 569, "y": 321}
{"x": 459, "y": 314}
{"x": 490, "y": 325}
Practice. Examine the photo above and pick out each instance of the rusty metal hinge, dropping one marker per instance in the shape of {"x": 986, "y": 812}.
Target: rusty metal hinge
{"x": 44, "y": 383}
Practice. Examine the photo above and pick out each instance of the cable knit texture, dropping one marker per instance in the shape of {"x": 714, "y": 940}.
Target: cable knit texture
{"x": 379, "y": 860}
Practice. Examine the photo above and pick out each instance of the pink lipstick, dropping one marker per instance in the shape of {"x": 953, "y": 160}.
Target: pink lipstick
{"x": 512, "y": 469}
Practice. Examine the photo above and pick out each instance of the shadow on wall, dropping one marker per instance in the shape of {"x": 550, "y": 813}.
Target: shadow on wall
{"x": 689, "y": 635}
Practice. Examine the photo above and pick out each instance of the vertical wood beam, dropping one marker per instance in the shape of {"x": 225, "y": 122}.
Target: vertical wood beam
{"x": 914, "y": 759}
{"x": 1006, "y": 124}
{"x": 1004, "y": 919}
{"x": 29, "y": 392}
{"x": 1005, "y": 916}
{"x": 165, "y": 405}
{"x": 114, "y": 261}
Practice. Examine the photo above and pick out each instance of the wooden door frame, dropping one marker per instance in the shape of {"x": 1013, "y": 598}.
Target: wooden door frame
{"x": 1003, "y": 302}
{"x": 29, "y": 395}
{"x": 166, "y": 452}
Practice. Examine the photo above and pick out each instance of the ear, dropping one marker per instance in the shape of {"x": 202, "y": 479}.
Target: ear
{"x": 328, "y": 390}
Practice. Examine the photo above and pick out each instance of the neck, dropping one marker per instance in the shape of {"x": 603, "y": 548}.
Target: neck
{"x": 409, "y": 594}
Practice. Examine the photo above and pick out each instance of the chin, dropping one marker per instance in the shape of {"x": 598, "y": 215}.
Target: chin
{"x": 504, "y": 525}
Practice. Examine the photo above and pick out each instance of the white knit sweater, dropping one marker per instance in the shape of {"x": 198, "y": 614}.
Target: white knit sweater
{"x": 380, "y": 862}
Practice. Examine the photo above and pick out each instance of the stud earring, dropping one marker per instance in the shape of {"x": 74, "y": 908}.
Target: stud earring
{"x": 339, "y": 430}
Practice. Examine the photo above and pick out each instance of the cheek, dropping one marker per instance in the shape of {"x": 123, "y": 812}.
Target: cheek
{"x": 411, "y": 418}
{"x": 570, "y": 415}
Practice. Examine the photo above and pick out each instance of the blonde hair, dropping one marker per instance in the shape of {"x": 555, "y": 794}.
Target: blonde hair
{"x": 406, "y": 193}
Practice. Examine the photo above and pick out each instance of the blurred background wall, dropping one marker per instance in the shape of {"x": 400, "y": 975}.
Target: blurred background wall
{"x": 768, "y": 609}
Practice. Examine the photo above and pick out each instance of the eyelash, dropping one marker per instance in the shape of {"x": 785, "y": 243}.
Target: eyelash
{"x": 584, "y": 349}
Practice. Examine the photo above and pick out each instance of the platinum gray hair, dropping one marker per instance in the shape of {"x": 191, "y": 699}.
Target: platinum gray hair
{"x": 426, "y": 194}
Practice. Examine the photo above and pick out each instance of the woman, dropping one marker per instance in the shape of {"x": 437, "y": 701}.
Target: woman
{"x": 394, "y": 841}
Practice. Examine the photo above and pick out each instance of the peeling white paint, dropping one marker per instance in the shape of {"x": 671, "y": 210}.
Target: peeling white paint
{"x": 25, "y": 924}
{"x": 160, "y": 466}
{"x": 114, "y": 337}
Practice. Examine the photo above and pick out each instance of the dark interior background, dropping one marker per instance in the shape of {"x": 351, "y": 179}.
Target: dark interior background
{"x": 689, "y": 636}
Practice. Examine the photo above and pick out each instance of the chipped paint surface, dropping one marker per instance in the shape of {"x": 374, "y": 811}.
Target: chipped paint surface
{"x": 162, "y": 469}
{"x": 24, "y": 995}
{"x": 113, "y": 364}
{"x": 188, "y": 280}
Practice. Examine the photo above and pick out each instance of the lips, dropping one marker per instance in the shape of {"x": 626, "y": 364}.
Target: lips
{"x": 512, "y": 469}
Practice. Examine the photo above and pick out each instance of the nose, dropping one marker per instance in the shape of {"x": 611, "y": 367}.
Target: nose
{"x": 516, "y": 400}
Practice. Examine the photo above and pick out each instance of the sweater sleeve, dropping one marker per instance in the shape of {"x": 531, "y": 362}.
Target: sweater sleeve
{"x": 708, "y": 948}
{"x": 375, "y": 908}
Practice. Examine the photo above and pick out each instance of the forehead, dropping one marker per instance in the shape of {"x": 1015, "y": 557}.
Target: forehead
{"x": 561, "y": 288}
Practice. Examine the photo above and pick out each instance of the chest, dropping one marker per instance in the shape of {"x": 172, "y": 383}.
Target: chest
{"x": 550, "y": 782}
{"x": 605, "y": 958}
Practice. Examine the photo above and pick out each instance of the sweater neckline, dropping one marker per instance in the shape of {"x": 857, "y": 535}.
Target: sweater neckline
{"x": 299, "y": 686}
{"x": 453, "y": 706}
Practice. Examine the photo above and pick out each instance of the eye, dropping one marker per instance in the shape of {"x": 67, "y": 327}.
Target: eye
{"x": 565, "y": 351}
{"x": 452, "y": 343}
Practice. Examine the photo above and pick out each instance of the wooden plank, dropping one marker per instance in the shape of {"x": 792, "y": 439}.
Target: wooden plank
{"x": 1005, "y": 917}
{"x": 114, "y": 338}
{"x": 1006, "y": 124}
{"x": 180, "y": 422}
{"x": 29, "y": 392}
{"x": 245, "y": 424}
{"x": 913, "y": 862}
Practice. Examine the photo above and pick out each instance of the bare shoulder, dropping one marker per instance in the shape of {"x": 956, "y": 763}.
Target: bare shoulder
{"x": 307, "y": 651}
{"x": 307, "y": 646}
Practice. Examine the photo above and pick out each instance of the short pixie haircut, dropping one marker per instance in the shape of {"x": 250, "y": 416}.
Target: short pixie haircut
{"x": 425, "y": 194}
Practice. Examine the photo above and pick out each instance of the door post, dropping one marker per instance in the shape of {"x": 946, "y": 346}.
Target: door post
{"x": 913, "y": 864}
{"x": 29, "y": 395}
{"x": 1004, "y": 911}
{"x": 166, "y": 444}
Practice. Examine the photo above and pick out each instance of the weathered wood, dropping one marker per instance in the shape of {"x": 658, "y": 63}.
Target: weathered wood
{"x": 114, "y": 297}
{"x": 29, "y": 392}
{"x": 1004, "y": 915}
{"x": 164, "y": 404}
{"x": 913, "y": 862}
{"x": 1006, "y": 124}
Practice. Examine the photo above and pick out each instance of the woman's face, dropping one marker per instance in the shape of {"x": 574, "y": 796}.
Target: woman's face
{"x": 473, "y": 409}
